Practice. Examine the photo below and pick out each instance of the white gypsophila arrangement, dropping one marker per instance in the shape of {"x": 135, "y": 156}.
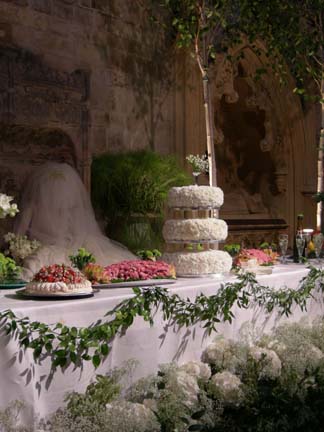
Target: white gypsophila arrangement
{"x": 199, "y": 370}
{"x": 199, "y": 164}
{"x": 172, "y": 394}
{"x": 268, "y": 361}
{"x": 9, "y": 418}
{"x": 123, "y": 416}
{"x": 20, "y": 247}
{"x": 6, "y": 207}
{"x": 296, "y": 346}
{"x": 225, "y": 354}
{"x": 227, "y": 387}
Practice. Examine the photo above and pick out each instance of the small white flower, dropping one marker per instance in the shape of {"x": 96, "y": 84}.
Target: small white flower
{"x": 227, "y": 387}
{"x": 6, "y": 208}
{"x": 197, "y": 369}
{"x": 269, "y": 361}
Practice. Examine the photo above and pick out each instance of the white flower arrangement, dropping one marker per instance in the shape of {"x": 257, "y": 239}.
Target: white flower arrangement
{"x": 188, "y": 384}
{"x": 6, "y": 207}
{"x": 197, "y": 369}
{"x": 268, "y": 360}
{"x": 19, "y": 246}
{"x": 198, "y": 163}
{"x": 225, "y": 354}
{"x": 125, "y": 416}
{"x": 227, "y": 387}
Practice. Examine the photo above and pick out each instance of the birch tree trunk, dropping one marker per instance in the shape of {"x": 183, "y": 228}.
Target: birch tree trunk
{"x": 209, "y": 130}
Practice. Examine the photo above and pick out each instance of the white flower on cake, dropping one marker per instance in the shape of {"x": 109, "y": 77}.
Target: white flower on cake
{"x": 195, "y": 230}
{"x": 195, "y": 197}
{"x": 196, "y": 263}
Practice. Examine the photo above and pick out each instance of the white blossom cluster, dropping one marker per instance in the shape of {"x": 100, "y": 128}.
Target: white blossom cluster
{"x": 268, "y": 361}
{"x": 6, "y": 207}
{"x": 227, "y": 387}
{"x": 225, "y": 354}
{"x": 198, "y": 163}
{"x": 19, "y": 246}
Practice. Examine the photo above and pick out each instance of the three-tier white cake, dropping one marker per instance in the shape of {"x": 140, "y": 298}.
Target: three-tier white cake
{"x": 193, "y": 231}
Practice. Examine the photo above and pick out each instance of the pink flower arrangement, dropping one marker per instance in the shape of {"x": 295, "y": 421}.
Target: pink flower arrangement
{"x": 261, "y": 257}
{"x": 140, "y": 270}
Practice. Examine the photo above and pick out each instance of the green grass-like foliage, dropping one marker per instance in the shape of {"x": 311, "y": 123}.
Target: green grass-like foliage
{"x": 134, "y": 182}
{"x": 82, "y": 258}
{"x": 9, "y": 271}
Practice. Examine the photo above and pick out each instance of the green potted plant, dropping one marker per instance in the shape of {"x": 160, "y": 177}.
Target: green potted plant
{"x": 129, "y": 191}
{"x": 9, "y": 273}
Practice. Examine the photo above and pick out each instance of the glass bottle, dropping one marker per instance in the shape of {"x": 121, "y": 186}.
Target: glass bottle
{"x": 299, "y": 230}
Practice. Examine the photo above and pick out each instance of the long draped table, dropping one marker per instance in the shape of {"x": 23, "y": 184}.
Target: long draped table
{"x": 22, "y": 379}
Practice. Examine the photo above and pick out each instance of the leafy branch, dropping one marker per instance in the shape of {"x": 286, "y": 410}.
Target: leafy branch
{"x": 66, "y": 345}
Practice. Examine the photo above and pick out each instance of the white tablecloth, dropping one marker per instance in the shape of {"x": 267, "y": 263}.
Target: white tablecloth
{"x": 21, "y": 379}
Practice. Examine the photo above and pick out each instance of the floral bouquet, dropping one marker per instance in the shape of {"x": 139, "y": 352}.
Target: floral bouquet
{"x": 140, "y": 270}
{"x": 6, "y": 208}
{"x": 20, "y": 247}
{"x": 199, "y": 164}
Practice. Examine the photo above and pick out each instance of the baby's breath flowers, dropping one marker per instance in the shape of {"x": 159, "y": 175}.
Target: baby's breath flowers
{"x": 198, "y": 163}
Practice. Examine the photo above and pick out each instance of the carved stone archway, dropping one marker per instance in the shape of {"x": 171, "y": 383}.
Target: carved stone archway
{"x": 284, "y": 142}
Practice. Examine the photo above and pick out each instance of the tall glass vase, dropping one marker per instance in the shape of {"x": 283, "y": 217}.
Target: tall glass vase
{"x": 195, "y": 176}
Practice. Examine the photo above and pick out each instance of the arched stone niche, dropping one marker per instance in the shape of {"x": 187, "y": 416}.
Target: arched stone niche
{"x": 266, "y": 154}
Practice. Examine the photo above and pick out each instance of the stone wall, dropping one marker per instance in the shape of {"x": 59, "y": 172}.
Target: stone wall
{"x": 129, "y": 103}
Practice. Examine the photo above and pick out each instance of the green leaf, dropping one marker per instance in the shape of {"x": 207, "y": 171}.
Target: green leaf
{"x": 96, "y": 361}
{"x": 104, "y": 348}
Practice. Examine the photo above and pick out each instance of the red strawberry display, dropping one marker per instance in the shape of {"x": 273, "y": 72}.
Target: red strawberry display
{"x": 140, "y": 270}
{"x": 58, "y": 273}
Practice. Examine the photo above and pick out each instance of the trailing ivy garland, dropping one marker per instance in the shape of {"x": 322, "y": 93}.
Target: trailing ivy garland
{"x": 66, "y": 345}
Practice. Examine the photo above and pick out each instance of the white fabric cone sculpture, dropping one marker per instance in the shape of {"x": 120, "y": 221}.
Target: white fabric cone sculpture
{"x": 56, "y": 210}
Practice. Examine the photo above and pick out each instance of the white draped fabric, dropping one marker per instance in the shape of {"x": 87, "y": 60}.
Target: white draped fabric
{"x": 56, "y": 210}
{"x": 21, "y": 379}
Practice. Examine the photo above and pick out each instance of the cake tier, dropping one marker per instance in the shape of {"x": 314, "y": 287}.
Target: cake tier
{"x": 49, "y": 288}
{"x": 187, "y": 230}
{"x": 195, "y": 197}
{"x": 200, "y": 263}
